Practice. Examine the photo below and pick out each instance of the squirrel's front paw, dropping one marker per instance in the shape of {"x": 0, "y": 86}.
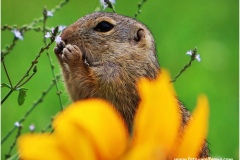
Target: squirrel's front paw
{"x": 72, "y": 55}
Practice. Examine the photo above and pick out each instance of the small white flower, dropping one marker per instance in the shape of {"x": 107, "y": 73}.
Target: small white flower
{"x": 58, "y": 39}
{"x": 104, "y": 4}
{"x": 49, "y": 14}
{"x": 197, "y": 57}
{"x": 189, "y": 52}
{"x": 17, "y": 124}
{"x": 52, "y": 29}
{"x": 61, "y": 27}
{"x": 31, "y": 127}
{"x": 17, "y": 34}
{"x": 47, "y": 35}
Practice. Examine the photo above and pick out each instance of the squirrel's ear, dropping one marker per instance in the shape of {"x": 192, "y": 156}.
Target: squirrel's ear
{"x": 139, "y": 35}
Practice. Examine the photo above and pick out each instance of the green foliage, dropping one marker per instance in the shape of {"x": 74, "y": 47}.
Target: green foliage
{"x": 5, "y": 85}
{"x": 211, "y": 26}
{"x": 21, "y": 96}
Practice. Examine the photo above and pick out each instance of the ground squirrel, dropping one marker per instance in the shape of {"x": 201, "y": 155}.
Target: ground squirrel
{"x": 102, "y": 55}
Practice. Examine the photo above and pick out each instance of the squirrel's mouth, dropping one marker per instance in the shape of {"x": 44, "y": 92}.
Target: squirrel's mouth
{"x": 85, "y": 58}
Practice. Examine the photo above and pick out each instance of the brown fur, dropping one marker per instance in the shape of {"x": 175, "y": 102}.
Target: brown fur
{"x": 115, "y": 61}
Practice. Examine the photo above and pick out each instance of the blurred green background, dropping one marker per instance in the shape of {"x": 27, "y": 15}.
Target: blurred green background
{"x": 211, "y": 26}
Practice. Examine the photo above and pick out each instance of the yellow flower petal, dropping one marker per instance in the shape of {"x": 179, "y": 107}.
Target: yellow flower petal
{"x": 92, "y": 129}
{"x": 74, "y": 142}
{"x": 196, "y": 130}
{"x": 100, "y": 122}
{"x": 158, "y": 117}
{"x": 39, "y": 147}
{"x": 146, "y": 151}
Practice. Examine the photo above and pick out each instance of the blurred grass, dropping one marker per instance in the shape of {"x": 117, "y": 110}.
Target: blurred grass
{"x": 211, "y": 26}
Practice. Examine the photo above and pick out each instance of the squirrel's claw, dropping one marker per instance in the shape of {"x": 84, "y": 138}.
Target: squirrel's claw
{"x": 60, "y": 47}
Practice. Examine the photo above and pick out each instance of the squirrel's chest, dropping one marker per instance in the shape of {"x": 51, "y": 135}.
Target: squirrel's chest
{"x": 110, "y": 73}
{"x": 114, "y": 81}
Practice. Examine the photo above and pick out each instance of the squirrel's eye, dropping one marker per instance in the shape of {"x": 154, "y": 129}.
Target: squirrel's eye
{"x": 103, "y": 26}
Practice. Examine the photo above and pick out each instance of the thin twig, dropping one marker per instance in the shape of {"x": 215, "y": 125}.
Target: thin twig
{"x": 14, "y": 157}
{"x": 14, "y": 143}
{"x": 139, "y": 8}
{"x": 5, "y": 69}
{"x": 30, "y": 109}
{"x": 35, "y": 61}
{"x": 49, "y": 58}
{"x": 9, "y": 48}
{"x": 182, "y": 70}
{"x": 49, "y": 125}
{"x": 110, "y": 5}
{"x": 27, "y": 79}
{"x": 25, "y": 28}
{"x": 8, "y": 94}
{"x": 54, "y": 76}
{"x": 187, "y": 65}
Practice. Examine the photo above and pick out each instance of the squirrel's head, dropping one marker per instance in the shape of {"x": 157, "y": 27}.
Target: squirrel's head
{"x": 106, "y": 37}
